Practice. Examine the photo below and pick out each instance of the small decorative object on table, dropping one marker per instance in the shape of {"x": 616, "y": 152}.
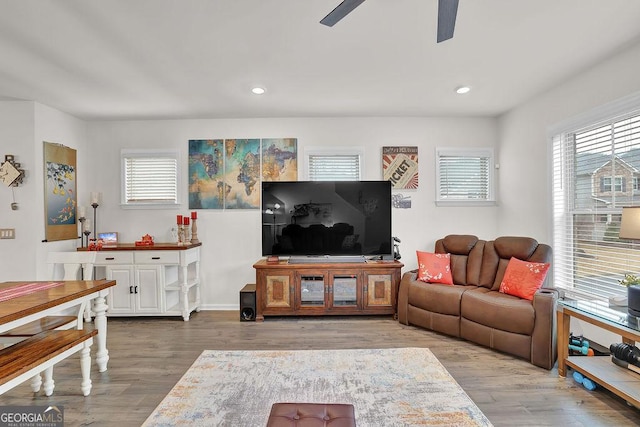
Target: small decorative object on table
{"x": 630, "y": 229}
{"x": 180, "y": 230}
{"x": 632, "y": 282}
{"x": 147, "y": 240}
{"x": 95, "y": 245}
{"x": 194, "y": 228}
{"x": 185, "y": 229}
{"x": 109, "y": 239}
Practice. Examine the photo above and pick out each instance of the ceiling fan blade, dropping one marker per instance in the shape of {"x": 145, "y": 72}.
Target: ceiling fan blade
{"x": 342, "y": 10}
{"x": 447, "y": 11}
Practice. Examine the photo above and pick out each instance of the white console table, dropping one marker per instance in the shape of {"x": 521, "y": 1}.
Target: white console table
{"x": 158, "y": 280}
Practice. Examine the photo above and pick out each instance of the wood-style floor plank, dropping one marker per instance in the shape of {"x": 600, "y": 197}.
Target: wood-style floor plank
{"x": 149, "y": 355}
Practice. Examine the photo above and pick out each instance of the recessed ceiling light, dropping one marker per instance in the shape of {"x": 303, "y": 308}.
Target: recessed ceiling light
{"x": 258, "y": 90}
{"x": 462, "y": 90}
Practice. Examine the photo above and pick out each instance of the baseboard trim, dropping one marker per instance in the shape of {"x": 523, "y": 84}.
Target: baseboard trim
{"x": 220, "y": 307}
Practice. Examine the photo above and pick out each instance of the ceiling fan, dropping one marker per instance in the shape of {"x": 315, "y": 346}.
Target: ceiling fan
{"x": 447, "y": 10}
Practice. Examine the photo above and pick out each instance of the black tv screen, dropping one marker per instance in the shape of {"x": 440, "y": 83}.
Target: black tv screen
{"x": 335, "y": 218}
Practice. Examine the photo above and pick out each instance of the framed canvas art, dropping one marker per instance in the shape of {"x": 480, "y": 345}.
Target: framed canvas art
{"x": 60, "y": 192}
{"x": 206, "y": 174}
{"x": 280, "y": 159}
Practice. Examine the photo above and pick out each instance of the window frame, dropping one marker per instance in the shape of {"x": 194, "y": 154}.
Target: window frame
{"x": 566, "y": 208}
{"x": 333, "y": 151}
{"x": 483, "y": 152}
{"x": 612, "y": 185}
{"x": 127, "y": 153}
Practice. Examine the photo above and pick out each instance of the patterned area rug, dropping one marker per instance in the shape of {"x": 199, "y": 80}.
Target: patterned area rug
{"x": 388, "y": 387}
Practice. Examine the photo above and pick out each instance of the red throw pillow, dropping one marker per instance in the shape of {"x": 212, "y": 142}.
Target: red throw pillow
{"x": 523, "y": 278}
{"x": 434, "y": 268}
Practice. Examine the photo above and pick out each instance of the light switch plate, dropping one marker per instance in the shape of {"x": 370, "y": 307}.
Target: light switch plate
{"x": 7, "y": 233}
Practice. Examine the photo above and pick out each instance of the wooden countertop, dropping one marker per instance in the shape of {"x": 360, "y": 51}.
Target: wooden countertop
{"x": 155, "y": 247}
{"x": 262, "y": 263}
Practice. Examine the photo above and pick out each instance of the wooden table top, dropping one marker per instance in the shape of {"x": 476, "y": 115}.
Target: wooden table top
{"x": 263, "y": 263}
{"x": 26, "y": 305}
{"x": 154, "y": 247}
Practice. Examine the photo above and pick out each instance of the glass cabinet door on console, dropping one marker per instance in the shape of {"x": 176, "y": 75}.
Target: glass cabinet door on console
{"x": 278, "y": 295}
{"x": 344, "y": 290}
{"x": 312, "y": 290}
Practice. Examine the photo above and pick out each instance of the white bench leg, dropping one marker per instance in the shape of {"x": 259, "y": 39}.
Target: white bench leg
{"x": 85, "y": 367}
{"x": 36, "y": 383}
{"x": 48, "y": 381}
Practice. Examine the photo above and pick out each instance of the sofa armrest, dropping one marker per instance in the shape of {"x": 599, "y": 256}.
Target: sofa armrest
{"x": 403, "y": 295}
{"x": 543, "y": 339}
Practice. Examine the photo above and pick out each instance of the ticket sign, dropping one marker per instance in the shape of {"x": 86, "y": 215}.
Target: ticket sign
{"x": 400, "y": 166}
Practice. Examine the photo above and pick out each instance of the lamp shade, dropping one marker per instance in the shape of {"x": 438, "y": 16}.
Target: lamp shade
{"x": 630, "y": 224}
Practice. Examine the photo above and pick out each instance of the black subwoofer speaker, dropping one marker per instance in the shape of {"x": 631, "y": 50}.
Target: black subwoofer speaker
{"x": 248, "y": 303}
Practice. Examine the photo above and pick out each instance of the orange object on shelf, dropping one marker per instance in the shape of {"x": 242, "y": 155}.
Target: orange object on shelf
{"x": 96, "y": 245}
{"x": 147, "y": 240}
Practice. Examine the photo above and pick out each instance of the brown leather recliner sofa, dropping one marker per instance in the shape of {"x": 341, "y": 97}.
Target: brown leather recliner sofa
{"x": 474, "y": 309}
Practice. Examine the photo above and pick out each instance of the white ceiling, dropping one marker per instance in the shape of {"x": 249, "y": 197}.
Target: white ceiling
{"x": 148, "y": 59}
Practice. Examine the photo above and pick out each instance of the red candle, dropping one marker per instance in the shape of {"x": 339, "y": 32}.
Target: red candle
{"x": 186, "y": 220}
{"x": 179, "y": 220}
{"x": 194, "y": 215}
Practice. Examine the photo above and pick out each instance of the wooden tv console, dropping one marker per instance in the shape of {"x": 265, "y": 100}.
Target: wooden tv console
{"x": 284, "y": 289}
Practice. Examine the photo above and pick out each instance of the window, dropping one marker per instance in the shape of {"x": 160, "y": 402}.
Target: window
{"x": 338, "y": 164}
{"x": 605, "y": 183}
{"x": 149, "y": 178}
{"x": 464, "y": 176}
{"x": 591, "y": 168}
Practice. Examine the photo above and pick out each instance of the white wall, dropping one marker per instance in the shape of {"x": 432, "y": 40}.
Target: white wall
{"x": 231, "y": 238}
{"x": 16, "y": 137}
{"x": 525, "y": 158}
{"x": 23, "y": 128}
{"x": 56, "y": 127}
{"x": 525, "y": 186}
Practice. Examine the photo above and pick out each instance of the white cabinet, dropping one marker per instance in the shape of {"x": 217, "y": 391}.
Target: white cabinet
{"x": 119, "y": 299}
{"x": 148, "y": 289}
{"x": 160, "y": 281}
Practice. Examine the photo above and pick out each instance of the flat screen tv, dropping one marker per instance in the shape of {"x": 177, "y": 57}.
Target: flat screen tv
{"x": 327, "y": 218}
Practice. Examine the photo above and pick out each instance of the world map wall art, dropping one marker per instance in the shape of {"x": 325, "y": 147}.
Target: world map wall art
{"x": 226, "y": 173}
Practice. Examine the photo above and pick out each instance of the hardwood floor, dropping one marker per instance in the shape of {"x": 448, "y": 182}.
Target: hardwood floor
{"x": 149, "y": 355}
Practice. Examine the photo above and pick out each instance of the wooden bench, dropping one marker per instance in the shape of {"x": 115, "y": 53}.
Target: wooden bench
{"x": 28, "y": 358}
{"x": 48, "y": 323}
{"x": 33, "y": 328}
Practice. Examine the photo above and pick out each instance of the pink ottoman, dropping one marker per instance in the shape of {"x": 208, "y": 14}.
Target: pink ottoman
{"x": 311, "y": 415}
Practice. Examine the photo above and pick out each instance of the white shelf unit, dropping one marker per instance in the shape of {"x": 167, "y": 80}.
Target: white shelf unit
{"x": 151, "y": 282}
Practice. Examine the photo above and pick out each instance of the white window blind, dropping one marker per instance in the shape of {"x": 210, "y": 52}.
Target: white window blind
{"x": 464, "y": 175}
{"x": 595, "y": 174}
{"x": 334, "y": 167}
{"x": 150, "y": 178}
